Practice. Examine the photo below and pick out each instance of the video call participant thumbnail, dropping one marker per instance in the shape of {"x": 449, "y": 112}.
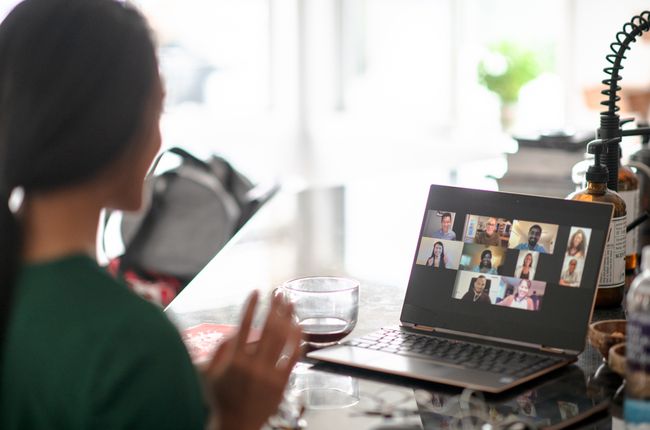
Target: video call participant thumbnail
{"x": 439, "y": 253}
{"x": 534, "y": 234}
{"x": 520, "y": 298}
{"x": 438, "y": 258}
{"x": 526, "y": 265}
{"x": 531, "y": 236}
{"x": 490, "y": 235}
{"x": 477, "y": 292}
{"x": 475, "y": 287}
{"x": 571, "y": 275}
{"x": 445, "y": 231}
{"x": 482, "y": 259}
{"x": 578, "y": 242}
{"x": 520, "y": 293}
{"x": 485, "y": 265}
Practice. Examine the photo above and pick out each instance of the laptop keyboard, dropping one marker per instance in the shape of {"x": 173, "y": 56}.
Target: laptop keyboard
{"x": 503, "y": 361}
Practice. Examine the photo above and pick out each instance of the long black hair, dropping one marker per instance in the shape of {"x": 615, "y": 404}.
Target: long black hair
{"x": 441, "y": 263}
{"x": 75, "y": 80}
{"x": 581, "y": 248}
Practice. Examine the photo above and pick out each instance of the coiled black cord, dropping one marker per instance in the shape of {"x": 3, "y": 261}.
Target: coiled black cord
{"x": 610, "y": 128}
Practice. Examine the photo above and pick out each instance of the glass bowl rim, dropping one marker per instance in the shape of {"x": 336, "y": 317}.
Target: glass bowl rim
{"x": 355, "y": 286}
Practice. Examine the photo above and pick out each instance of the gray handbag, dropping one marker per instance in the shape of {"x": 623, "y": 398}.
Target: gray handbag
{"x": 189, "y": 214}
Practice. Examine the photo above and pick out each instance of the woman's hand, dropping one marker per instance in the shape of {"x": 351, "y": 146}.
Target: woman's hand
{"x": 246, "y": 381}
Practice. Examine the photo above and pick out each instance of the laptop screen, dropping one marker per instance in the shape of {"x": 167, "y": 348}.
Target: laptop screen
{"x": 510, "y": 266}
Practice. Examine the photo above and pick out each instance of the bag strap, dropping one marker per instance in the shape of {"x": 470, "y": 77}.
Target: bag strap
{"x": 230, "y": 178}
{"x": 149, "y": 205}
{"x": 186, "y": 156}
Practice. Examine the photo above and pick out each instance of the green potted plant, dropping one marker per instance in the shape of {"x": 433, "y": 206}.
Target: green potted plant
{"x": 506, "y": 69}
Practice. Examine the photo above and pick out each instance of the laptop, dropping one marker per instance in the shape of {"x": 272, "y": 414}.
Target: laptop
{"x": 501, "y": 291}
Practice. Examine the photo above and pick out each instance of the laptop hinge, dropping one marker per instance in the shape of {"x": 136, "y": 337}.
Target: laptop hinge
{"x": 418, "y": 327}
{"x": 553, "y": 350}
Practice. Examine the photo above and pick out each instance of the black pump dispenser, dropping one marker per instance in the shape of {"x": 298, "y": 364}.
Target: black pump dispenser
{"x": 643, "y": 154}
{"x": 597, "y": 172}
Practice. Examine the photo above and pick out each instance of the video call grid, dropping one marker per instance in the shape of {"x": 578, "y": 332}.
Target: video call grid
{"x": 484, "y": 253}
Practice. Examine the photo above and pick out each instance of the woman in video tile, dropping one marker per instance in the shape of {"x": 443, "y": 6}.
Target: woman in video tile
{"x": 520, "y": 298}
{"x": 577, "y": 244}
{"x": 485, "y": 266}
{"x": 437, "y": 259}
{"x": 477, "y": 292}
{"x": 489, "y": 236}
{"x": 526, "y": 269}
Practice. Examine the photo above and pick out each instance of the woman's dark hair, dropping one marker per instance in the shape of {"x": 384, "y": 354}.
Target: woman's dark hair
{"x": 581, "y": 247}
{"x": 483, "y": 254}
{"x": 76, "y": 77}
{"x": 441, "y": 264}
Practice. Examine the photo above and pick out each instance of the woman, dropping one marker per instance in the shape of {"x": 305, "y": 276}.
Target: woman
{"x": 576, "y": 246}
{"x": 438, "y": 258}
{"x": 525, "y": 271}
{"x": 80, "y": 100}
{"x": 485, "y": 265}
{"x": 490, "y": 235}
{"x": 520, "y": 299}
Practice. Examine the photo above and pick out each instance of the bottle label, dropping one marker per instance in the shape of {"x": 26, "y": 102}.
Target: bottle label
{"x": 631, "y": 199}
{"x": 637, "y": 414}
{"x": 637, "y": 346}
{"x": 612, "y": 273}
{"x": 637, "y": 369}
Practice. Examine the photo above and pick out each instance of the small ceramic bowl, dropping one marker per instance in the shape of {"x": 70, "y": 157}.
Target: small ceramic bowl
{"x": 605, "y": 334}
{"x": 616, "y": 358}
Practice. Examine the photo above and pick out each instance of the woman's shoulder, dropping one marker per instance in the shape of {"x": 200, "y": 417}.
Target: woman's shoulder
{"x": 530, "y": 304}
{"x": 78, "y": 290}
{"x": 507, "y": 300}
{"x": 115, "y": 347}
{"x": 97, "y": 312}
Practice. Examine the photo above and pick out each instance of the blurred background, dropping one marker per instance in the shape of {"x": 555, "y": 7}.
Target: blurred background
{"x": 325, "y": 91}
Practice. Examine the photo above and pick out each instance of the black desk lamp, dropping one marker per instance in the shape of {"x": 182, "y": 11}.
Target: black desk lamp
{"x": 610, "y": 124}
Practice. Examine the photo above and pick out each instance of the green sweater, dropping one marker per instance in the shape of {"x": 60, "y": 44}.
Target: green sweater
{"x": 83, "y": 352}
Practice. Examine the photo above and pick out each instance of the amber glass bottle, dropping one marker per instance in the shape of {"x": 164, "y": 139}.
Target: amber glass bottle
{"x": 611, "y": 284}
{"x": 628, "y": 189}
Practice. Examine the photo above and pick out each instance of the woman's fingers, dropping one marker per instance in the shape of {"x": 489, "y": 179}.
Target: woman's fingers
{"x": 293, "y": 350}
{"x": 276, "y": 330}
{"x": 247, "y": 320}
{"x": 280, "y": 336}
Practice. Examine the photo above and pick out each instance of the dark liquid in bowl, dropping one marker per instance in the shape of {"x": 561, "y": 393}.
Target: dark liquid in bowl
{"x": 325, "y": 337}
{"x": 325, "y": 330}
